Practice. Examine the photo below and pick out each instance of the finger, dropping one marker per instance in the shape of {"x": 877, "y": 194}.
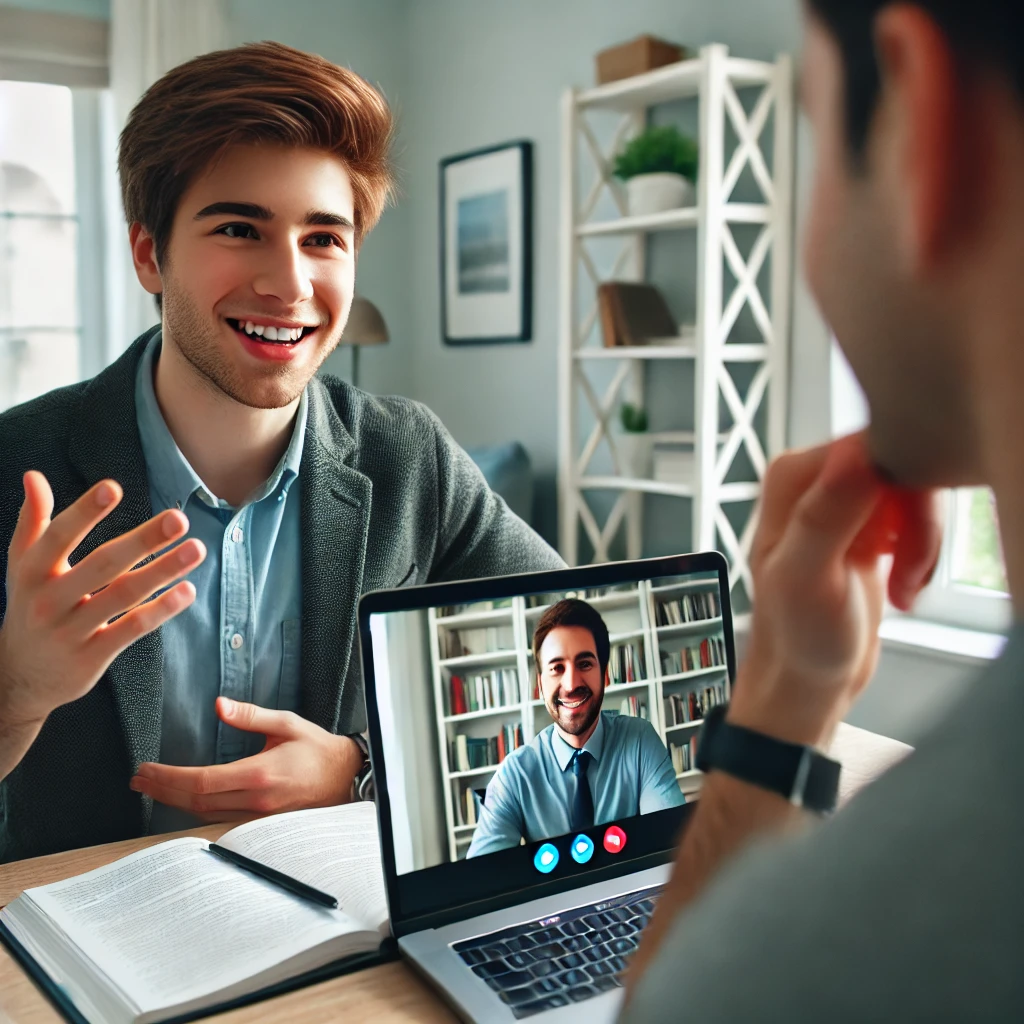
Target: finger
{"x": 34, "y": 517}
{"x": 836, "y": 508}
{"x": 918, "y": 547}
{"x": 112, "y": 560}
{"x": 108, "y": 642}
{"x": 248, "y": 774}
{"x": 72, "y": 526}
{"x": 788, "y": 478}
{"x": 132, "y": 588}
{"x": 253, "y": 718}
{"x": 239, "y": 801}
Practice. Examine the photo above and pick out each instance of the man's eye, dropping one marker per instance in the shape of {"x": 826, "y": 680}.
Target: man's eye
{"x": 325, "y": 241}
{"x": 237, "y": 231}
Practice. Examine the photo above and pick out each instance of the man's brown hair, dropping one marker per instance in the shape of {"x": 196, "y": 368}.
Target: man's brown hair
{"x": 257, "y": 93}
{"x": 573, "y": 612}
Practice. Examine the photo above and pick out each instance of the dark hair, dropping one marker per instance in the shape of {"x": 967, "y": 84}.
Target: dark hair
{"x": 573, "y": 612}
{"x": 982, "y": 32}
{"x": 260, "y": 92}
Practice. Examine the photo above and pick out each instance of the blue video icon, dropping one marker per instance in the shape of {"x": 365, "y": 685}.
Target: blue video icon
{"x": 582, "y": 849}
{"x": 546, "y": 859}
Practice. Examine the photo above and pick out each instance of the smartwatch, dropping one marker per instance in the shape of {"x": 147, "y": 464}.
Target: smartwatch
{"x": 798, "y": 773}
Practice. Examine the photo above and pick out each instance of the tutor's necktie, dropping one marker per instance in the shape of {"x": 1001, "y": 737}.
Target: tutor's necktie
{"x": 582, "y": 815}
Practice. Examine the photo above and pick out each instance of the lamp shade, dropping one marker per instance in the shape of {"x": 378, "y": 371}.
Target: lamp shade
{"x": 365, "y": 324}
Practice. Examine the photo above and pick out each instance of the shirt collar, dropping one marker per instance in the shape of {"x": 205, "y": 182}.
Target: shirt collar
{"x": 563, "y": 751}
{"x": 174, "y": 480}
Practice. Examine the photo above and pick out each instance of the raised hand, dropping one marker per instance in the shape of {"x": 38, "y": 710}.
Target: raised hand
{"x": 300, "y": 765}
{"x": 64, "y": 626}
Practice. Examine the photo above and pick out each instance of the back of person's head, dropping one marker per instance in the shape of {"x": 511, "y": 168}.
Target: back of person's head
{"x": 258, "y": 93}
{"x": 987, "y": 34}
{"x": 573, "y": 612}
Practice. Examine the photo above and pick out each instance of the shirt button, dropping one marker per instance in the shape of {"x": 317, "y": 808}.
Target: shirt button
{"x": 236, "y": 641}
{"x": 237, "y": 535}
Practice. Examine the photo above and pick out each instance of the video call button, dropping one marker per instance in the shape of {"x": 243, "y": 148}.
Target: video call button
{"x": 582, "y": 849}
{"x": 614, "y": 839}
{"x": 546, "y": 859}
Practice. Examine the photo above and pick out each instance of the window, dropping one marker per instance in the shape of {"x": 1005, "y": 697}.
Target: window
{"x": 969, "y": 588}
{"x": 40, "y": 328}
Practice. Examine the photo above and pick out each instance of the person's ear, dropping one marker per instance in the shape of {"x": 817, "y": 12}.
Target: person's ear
{"x": 144, "y": 258}
{"x": 918, "y": 142}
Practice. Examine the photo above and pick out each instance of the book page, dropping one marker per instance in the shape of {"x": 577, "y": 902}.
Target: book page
{"x": 174, "y": 922}
{"x": 334, "y": 849}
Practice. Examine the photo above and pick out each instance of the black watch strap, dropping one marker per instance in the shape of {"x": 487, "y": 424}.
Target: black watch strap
{"x": 798, "y": 773}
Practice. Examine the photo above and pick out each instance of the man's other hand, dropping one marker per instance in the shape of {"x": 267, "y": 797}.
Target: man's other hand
{"x": 301, "y": 765}
{"x": 831, "y": 531}
{"x": 64, "y": 626}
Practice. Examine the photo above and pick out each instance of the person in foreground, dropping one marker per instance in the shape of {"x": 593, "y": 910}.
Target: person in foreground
{"x": 250, "y": 179}
{"x": 588, "y": 766}
{"x": 907, "y": 904}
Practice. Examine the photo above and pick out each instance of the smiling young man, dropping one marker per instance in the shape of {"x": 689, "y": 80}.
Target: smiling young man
{"x": 586, "y": 768}
{"x": 250, "y": 179}
{"x": 907, "y": 904}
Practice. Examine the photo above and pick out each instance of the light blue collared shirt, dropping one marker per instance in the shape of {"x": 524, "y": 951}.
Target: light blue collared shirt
{"x": 240, "y": 637}
{"x": 530, "y": 796}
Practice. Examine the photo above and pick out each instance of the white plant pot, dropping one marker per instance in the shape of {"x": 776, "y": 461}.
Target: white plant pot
{"x": 656, "y": 193}
{"x": 635, "y": 455}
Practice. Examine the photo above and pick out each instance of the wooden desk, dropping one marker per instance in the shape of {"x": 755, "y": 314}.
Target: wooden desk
{"x": 388, "y": 993}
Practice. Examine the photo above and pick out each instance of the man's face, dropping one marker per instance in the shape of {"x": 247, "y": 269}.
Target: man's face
{"x": 570, "y": 678}
{"x": 890, "y": 320}
{"x": 263, "y": 239}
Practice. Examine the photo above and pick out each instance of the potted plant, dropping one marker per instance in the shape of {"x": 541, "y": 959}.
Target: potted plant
{"x": 633, "y": 443}
{"x": 659, "y": 167}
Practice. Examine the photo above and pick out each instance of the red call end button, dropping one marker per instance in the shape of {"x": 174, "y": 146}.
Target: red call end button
{"x": 614, "y": 839}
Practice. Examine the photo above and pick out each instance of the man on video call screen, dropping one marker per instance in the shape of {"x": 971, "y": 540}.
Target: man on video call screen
{"x": 588, "y": 766}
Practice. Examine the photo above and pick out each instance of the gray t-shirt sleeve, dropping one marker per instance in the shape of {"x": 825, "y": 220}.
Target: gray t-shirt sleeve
{"x": 906, "y": 905}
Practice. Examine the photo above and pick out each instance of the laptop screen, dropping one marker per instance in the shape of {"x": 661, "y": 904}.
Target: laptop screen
{"x": 539, "y": 732}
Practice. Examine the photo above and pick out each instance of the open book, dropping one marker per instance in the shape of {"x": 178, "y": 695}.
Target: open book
{"x": 173, "y": 929}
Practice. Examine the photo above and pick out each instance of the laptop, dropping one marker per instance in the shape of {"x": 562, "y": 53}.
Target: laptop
{"x": 514, "y": 893}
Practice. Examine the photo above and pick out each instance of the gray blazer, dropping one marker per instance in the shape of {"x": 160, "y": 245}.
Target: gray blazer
{"x": 387, "y": 499}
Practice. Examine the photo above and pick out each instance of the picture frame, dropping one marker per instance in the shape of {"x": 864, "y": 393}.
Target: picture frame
{"x": 486, "y": 232}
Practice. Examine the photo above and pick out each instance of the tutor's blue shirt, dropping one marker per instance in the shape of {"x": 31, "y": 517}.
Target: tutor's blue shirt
{"x": 240, "y": 637}
{"x": 530, "y": 796}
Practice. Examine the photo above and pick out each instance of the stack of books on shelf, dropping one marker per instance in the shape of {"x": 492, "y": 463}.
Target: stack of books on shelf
{"x": 467, "y": 807}
{"x": 709, "y": 653}
{"x": 634, "y": 707}
{"x": 477, "y": 606}
{"x": 681, "y": 708}
{"x": 485, "y": 691}
{"x": 543, "y": 600}
{"x": 457, "y": 643}
{"x": 626, "y": 662}
{"x": 689, "y": 608}
{"x": 684, "y": 756}
{"x": 469, "y": 752}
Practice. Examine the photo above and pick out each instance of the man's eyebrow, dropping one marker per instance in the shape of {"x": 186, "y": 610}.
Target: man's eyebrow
{"x": 561, "y": 657}
{"x": 256, "y": 212}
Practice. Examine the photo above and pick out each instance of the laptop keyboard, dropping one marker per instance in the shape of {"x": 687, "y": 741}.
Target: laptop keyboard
{"x": 564, "y": 959}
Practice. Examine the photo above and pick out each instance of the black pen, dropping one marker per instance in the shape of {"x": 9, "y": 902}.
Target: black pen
{"x": 292, "y": 885}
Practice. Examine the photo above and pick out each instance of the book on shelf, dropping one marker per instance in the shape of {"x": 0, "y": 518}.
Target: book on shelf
{"x": 483, "y": 691}
{"x": 470, "y": 752}
{"x": 173, "y": 930}
{"x": 633, "y": 707}
{"x": 447, "y": 611}
{"x": 709, "y": 653}
{"x": 461, "y": 643}
{"x": 586, "y": 594}
{"x": 684, "y": 755}
{"x": 689, "y": 608}
{"x": 626, "y": 661}
{"x": 681, "y": 708}
{"x": 634, "y": 313}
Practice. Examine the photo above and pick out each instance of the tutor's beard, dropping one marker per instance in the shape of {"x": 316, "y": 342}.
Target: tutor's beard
{"x": 576, "y": 728}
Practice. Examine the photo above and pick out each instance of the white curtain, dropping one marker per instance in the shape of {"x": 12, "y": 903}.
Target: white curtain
{"x": 147, "y": 39}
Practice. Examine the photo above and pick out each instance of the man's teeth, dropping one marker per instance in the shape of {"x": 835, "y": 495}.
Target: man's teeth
{"x": 573, "y": 703}
{"x": 272, "y": 333}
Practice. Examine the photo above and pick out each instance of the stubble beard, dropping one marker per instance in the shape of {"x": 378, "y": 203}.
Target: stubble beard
{"x": 199, "y": 340}
{"x": 571, "y": 728}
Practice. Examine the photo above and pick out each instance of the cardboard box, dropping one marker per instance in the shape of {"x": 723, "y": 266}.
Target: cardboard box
{"x": 645, "y": 53}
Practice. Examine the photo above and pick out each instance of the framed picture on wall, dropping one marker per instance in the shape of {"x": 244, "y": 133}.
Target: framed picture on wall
{"x": 487, "y": 245}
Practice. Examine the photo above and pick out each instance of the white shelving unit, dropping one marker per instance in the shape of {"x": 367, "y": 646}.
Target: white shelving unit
{"x": 633, "y": 610}
{"x": 717, "y": 81}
